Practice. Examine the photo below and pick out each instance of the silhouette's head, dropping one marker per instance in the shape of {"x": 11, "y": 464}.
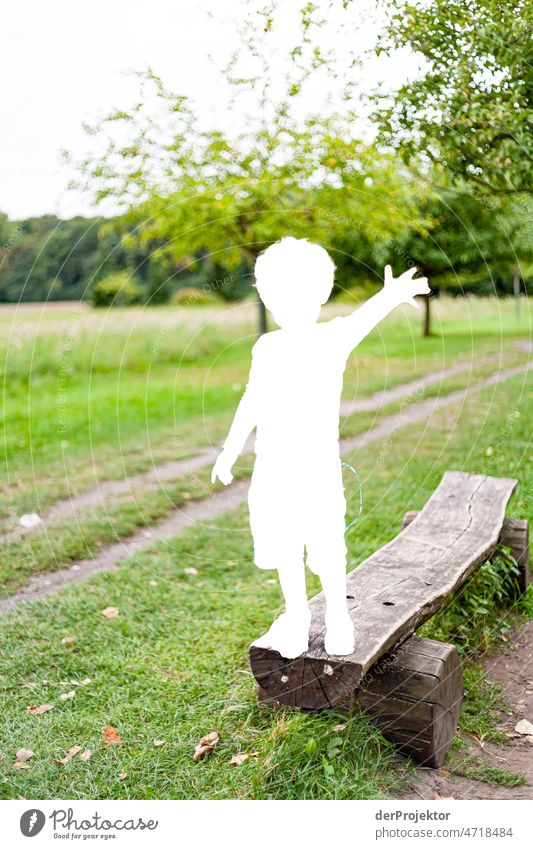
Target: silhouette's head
{"x": 294, "y": 278}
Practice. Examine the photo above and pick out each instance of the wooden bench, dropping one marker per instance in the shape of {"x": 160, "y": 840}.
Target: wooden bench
{"x": 411, "y": 686}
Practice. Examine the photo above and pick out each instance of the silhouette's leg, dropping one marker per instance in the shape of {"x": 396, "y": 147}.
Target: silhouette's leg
{"x": 292, "y": 580}
{"x": 339, "y": 627}
{"x": 289, "y": 633}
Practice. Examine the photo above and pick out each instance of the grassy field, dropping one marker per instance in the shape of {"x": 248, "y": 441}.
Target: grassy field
{"x": 90, "y": 395}
{"x": 107, "y": 398}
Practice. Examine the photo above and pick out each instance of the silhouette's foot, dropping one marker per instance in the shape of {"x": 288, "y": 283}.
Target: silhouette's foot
{"x": 339, "y": 635}
{"x": 288, "y": 635}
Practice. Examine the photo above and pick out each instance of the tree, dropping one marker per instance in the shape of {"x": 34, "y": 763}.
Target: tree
{"x": 467, "y": 118}
{"x": 188, "y": 191}
{"x": 472, "y": 242}
{"x": 46, "y": 258}
{"x": 471, "y": 110}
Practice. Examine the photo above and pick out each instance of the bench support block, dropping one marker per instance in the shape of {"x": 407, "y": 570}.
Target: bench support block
{"x": 415, "y": 698}
{"x": 414, "y": 695}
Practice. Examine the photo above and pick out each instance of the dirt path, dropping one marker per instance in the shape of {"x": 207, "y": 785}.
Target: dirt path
{"x": 196, "y": 512}
{"x": 75, "y": 506}
{"x": 221, "y": 502}
{"x": 514, "y": 667}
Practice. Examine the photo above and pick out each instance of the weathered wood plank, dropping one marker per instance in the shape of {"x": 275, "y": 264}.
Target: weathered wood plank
{"x": 514, "y": 535}
{"x": 397, "y": 588}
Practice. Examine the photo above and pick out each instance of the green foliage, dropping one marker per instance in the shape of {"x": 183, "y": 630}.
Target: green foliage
{"x": 47, "y": 259}
{"x": 471, "y": 243}
{"x": 116, "y": 290}
{"x": 190, "y": 193}
{"x": 473, "y": 619}
{"x": 471, "y": 108}
{"x": 189, "y": 297}
{"x": 479, "y": 771}
{"x": 483, "y": 701}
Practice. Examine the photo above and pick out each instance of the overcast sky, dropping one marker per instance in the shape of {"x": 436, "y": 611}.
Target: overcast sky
{"x": 64, "y": 62}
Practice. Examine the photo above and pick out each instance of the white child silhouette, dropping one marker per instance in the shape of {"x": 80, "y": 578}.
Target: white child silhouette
{"x": 296, "y": 496}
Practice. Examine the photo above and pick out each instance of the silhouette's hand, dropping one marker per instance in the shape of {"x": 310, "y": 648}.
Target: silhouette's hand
{"x": 222, "y": 469}
{"x": 404, "y": 288}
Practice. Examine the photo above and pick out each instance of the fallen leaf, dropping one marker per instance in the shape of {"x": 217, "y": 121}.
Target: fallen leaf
{"x": 111, "y": 735}
{"x": 524, "y": 727}
{"x": 110, "y": 612}
{"x": 86, "y": 755}
{"x": 70, "y": 754}
{"x": 24, "y": 755}
{"x": 122, "y": 776}
{"x": 206, "y": 744}
{"x": 479, "y": 740}
{"x": 158, "y": 743}
{"x": 66, "y": 696}
{"x": 68, "y": 640}
{"x": 340, "y": 727}
{"x": 39, "y": 709}
{"x": 241, "y": 757}
{"x": 191, "y": 570}
{"x": 21, "y": 765}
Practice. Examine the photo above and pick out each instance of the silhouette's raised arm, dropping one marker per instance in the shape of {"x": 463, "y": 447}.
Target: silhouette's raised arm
{"x": 401, "y": 290}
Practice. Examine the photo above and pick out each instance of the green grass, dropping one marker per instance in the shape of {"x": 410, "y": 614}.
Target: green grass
{"x": 480, "y": 771}
{"x": 173, "y": 665}
{"x": 63, "y": 541}
{"x": 95, "y": 395}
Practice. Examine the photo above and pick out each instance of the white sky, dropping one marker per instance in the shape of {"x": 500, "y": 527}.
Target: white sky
{"x": 63, "y": 62}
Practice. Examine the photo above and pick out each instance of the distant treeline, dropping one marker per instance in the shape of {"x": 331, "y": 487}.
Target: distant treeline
{"x": 46, "y": 258}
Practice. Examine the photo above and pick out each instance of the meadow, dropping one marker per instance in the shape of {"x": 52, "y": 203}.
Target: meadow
{"x": 91, "y": 396}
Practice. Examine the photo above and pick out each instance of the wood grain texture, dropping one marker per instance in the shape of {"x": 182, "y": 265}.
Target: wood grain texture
{"x": 514, "y": 535}
{"x": 394, "y": 591}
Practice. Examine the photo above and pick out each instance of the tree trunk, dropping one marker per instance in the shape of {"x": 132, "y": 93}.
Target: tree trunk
{"x": 516, "y": 291}
{"x": 427, "y": 316}
{"x": 263, "y": 326}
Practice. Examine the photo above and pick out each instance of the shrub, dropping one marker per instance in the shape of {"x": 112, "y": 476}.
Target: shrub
{"x": 190, "y": 297}
{"x": 116, "y": 290}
